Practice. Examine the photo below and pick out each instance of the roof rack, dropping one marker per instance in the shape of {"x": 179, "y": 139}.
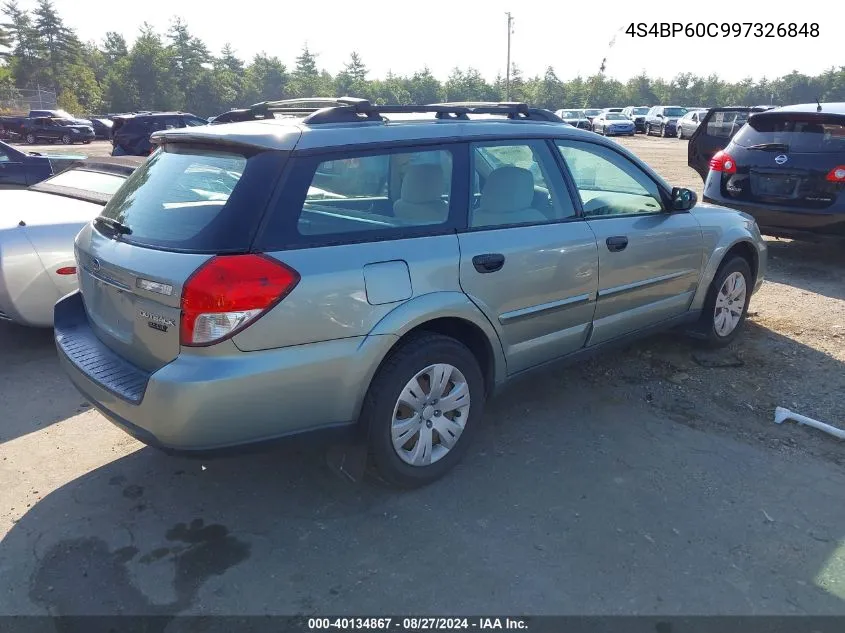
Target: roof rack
{"x": 322, "y": 110}
{"x": 347, "y": 110}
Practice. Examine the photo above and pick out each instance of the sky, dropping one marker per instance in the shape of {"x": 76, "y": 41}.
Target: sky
{"x": 573, "y": 37}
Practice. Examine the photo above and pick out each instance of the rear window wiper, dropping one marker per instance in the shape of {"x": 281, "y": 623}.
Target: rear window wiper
{"x": 113, "y": 225}
{"x": 774, "y": 147}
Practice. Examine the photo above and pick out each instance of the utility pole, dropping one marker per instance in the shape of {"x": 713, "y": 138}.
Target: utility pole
{"x": 508, "y": 70}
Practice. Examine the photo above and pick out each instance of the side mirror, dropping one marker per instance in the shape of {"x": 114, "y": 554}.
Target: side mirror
{"x": 683, "y": 199}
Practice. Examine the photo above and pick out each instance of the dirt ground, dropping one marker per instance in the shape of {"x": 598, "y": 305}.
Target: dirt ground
{"x": 792, "y": 353}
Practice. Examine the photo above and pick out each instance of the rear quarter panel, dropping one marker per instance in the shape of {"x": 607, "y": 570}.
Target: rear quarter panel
{"x": 722, "y": 229}
{"x": 27, "y": 294}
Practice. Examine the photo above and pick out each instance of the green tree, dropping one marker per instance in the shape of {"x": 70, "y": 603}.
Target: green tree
{"x": 548, "y": 92}
{"x": 25, "y": 60}
{"x": 266, "y": 79}
{"x": 423, "y": 87}
{"x": 5, "y": 43}
{"x": 114, "y": 47}
{"x": 59, "y": 45}
{"x": 307, "y": 79}
{"x": 186, "y": 54}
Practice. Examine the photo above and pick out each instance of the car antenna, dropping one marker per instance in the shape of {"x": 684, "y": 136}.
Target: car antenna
{"x": 819, "y": 108}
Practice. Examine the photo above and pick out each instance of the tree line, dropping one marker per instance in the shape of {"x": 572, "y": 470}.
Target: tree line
{"x": 177, "y": 71}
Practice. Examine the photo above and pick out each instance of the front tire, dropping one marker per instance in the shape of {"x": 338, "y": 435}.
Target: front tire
{"x": 726, "y": 305}
{"x": 30, "y": 139}
{"x": 422, "y": 409}
{"x": 662, "y": 131}
{"x": 679, "y": 132}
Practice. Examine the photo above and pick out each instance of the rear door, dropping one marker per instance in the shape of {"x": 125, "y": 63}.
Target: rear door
{"x": 527, "y": 261}
{"x": 650, "y": 259}
{"x": 714, "y": 133}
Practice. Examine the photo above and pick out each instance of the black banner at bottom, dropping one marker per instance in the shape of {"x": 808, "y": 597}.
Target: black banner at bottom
{"x": 403, "y": 624}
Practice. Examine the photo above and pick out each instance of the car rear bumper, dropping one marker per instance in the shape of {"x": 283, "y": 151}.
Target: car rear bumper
{"x": 785, "y": 221}
{"x": 211, "y": 403}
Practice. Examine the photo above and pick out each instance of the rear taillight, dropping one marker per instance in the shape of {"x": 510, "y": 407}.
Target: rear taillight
{"x": 66, "y": 270}
{"x": 723, "y": 162}
{"x": 229, "y": 292}
{"x": 837, "y": 174}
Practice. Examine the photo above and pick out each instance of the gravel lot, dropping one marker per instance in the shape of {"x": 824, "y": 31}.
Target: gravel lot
{"x": 648, "y": 481}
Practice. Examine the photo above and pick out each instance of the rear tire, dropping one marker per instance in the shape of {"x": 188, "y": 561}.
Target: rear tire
{"x": 409, "y": 369}
{"x": 67, "y": 140}
{"x": 726, "y": 305}
{"x": 30, "y": 139}
{"x": 662, "y": 131}
{"x": 679, "y": 132}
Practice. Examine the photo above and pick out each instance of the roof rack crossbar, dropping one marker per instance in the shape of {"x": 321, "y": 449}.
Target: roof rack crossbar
{"x": 359, "y": 110}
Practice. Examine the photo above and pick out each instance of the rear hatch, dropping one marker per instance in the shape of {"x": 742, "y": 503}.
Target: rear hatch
{"x": 186, "y": 204}
{"x": 787, "y": 159}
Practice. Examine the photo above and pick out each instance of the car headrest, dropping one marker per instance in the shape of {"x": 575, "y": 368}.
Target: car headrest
{"x": 507, "y": 188}
{"x": 422, "y": 183}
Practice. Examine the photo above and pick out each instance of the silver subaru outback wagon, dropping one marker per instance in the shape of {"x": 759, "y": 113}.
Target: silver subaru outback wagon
{"x": 385, "y": 269}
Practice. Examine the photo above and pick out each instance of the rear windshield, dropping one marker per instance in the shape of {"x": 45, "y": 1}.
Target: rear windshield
{"x": 674, "y": 111}
{"x": 614, "y": 116}
{"x": 195, "y": 200}
{"x": 805, "y": 133}
{"x": 641, "y": 110}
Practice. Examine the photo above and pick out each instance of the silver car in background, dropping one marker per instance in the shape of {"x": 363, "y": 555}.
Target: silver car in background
{"x": 244, "y": 285}
{"x": 37, "y": 229}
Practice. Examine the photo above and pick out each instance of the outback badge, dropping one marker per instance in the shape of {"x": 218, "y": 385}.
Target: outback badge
{"x": 156, "y": 321}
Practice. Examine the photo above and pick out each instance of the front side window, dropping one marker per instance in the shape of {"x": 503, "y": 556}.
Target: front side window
{"x": 608, "y": 183}
{"x": 517, "y": 183}
{"x": 383, "y": 192}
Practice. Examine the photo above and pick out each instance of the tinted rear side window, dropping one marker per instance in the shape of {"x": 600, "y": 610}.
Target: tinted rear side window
{"x": 800, "y": 133}
{"x": 196, "y": 199}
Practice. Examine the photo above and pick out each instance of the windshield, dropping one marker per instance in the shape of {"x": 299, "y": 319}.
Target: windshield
{"x": 570, "y": 114}
{"x": 615, "y": 116}
{"x": 86, "y": 180}
{"x": 640, "y": 110}
{"x": 63, "y": 122}
{"x": 674, "y": 111}
{"x": 801, "y": 133}
{"x": 594, "y": 112}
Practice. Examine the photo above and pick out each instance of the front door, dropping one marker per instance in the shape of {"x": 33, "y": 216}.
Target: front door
{"x": 650, "y": 259}
{"x": 527, "y": 261}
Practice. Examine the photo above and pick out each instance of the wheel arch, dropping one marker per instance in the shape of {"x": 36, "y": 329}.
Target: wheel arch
{"x": 447, "y": 313}
{"x": 742, "y": 246}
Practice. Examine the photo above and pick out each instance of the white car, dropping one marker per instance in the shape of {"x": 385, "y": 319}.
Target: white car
{"x": 37, "y": 229}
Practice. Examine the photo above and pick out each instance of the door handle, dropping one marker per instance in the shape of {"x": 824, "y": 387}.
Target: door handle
{"x": 616, "y": 243}
{"x": 489, "y": 262}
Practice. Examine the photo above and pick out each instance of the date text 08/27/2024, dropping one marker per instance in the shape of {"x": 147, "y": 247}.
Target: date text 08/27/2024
{"x": 723, "y": 29}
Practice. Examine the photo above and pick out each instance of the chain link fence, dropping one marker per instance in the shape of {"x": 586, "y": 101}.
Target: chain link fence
{"x": 22, "y": 100}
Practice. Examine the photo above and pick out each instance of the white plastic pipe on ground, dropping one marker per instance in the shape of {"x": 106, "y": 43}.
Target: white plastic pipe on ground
{"x": 782, "y": 414}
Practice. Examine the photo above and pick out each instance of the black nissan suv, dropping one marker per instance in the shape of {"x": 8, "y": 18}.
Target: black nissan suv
{"x": 784, "y": 166}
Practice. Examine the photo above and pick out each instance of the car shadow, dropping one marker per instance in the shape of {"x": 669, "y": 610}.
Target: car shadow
{"x": 578, "y": 495}
{"x": 34, "y": 391}
{"x": 818, "y": 267}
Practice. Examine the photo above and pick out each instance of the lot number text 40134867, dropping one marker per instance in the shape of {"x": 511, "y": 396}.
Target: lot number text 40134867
{"x": 722, "y": 29}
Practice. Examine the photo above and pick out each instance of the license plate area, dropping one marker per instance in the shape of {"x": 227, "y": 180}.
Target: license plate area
{"x": 775, "y": 185}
